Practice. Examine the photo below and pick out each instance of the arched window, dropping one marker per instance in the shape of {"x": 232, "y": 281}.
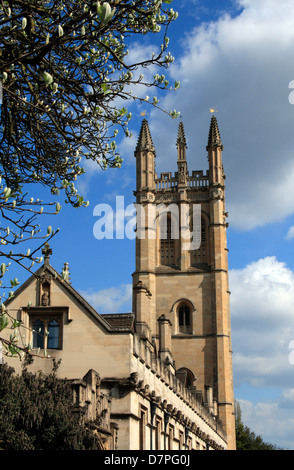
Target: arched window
{"x": 184, "y": 319}
{"x": 186, "y": 376}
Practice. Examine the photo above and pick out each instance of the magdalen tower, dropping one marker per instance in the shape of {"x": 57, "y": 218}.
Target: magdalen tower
{"x": 182, "y": 269}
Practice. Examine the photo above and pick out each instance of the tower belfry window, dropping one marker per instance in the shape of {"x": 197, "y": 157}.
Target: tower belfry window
{"x": 167, "y": 242}
{"x": 202, "y": 254}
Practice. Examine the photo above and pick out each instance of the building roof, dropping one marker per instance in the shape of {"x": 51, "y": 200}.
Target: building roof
{"x": 120, "y": 321}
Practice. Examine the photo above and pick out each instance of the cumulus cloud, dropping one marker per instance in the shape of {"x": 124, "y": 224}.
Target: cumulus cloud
{"x": 262, "y": 305}
{"x": 110, "y": 300}
{"x": 242, "y": 66}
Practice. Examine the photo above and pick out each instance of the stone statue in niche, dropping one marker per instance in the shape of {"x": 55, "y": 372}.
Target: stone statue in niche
{"x": 182, "y": 175}
{"x": 45, "y": 288}
{"x": 45, "y": 299}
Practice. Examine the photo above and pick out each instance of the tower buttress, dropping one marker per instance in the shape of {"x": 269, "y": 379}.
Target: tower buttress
{"x": 182, "y": 197}
{"x": 143, "y": 278}
{"x": 220, "y": 283}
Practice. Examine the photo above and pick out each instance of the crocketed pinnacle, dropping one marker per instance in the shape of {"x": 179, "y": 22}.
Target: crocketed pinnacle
{"x": 214, "y": 139}
{"x": 145, "y": 139}
{"x": 181, "y": 135}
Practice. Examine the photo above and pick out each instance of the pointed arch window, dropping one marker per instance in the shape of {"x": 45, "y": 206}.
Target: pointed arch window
{"x": 184, "y": 319}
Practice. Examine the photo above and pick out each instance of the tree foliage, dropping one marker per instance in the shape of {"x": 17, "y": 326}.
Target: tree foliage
{"x": 65, "y": 76}
{"x": 19, "y": 214}
{"x": 36, "y": 413}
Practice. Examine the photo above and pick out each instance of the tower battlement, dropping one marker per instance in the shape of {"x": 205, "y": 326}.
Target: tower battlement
{"x": 195, "y": 180}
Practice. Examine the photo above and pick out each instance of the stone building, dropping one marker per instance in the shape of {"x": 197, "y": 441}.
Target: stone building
{"x": 165, "y": 370}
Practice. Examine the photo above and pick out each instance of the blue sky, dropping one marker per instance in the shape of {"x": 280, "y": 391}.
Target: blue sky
{"x": 236, "y": 56}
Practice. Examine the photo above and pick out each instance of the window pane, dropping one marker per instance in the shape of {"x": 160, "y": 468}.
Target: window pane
{"x": 38, "y": 334}
{"x": 187, "y": 316}
{"x": 166, "y": 240}
{"x": 53, "y": 337}
{"x": 181, "y": 317}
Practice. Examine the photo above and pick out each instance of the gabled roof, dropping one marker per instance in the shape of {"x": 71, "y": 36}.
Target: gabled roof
{"x": 112, "y": 323}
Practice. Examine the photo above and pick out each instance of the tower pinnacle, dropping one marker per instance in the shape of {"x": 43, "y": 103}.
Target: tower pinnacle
{"x": 214, "y": 149}
{"x": 181, "y": 136}
{"x": 145, "y": 139}
{"x": 145, "y": 159}
{"x": 181, "y": 145}
{"x": 182, "y": 163}
{"x": 214, "y": 138}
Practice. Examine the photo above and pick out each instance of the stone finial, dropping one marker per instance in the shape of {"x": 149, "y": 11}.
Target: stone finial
{"x": 65, "y": 273}
{"x": 46, "y": 251}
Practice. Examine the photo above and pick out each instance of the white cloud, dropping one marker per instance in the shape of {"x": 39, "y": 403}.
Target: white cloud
{"x": 110, "y": 300}
{"x": 262, "y": 306}
{"x": 290, "y": 233}
{"x": 242, "y": 66}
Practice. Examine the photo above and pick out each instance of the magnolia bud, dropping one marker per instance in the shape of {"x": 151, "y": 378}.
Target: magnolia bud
{"x": 47, "y": 78}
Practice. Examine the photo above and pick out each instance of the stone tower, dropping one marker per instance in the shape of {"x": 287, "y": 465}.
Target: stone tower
{"x": 181, "y": 271}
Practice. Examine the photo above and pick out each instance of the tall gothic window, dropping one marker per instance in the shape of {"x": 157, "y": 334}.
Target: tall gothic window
{"x": 157, "y": 434}
{"x": 167, "y": 242}
{"x": 202, "y": 254}
{"x": 142, "y": 429}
